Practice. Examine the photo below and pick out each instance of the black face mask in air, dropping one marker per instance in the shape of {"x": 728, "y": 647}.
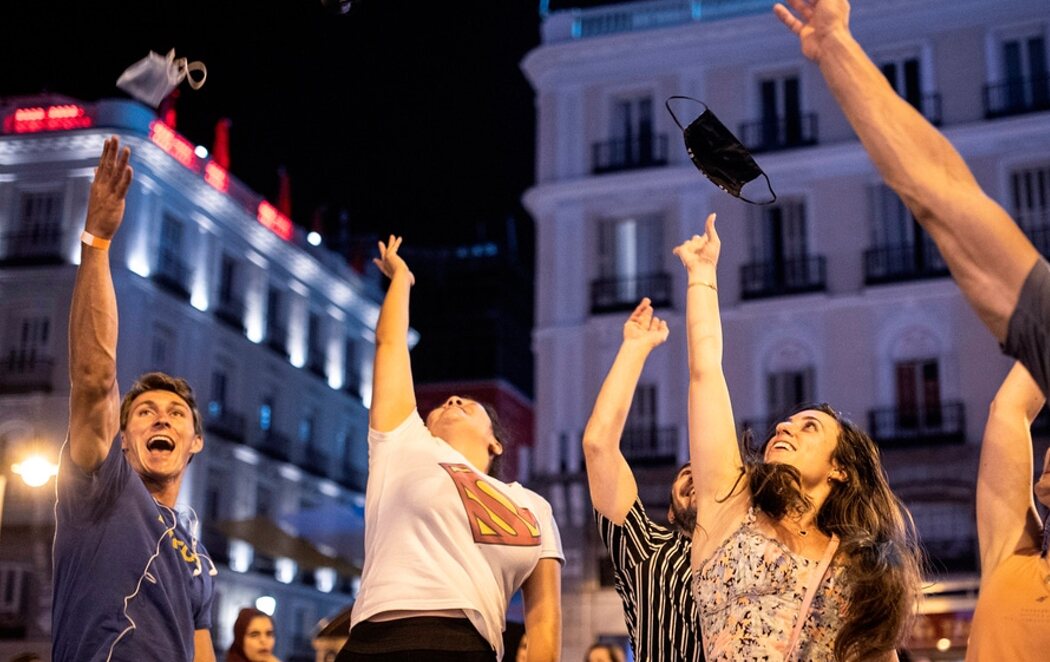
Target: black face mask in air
{"x": 717, "y": 153}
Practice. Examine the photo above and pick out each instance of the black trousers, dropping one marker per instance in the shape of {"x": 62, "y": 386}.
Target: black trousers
{"x": 425, "y": 638}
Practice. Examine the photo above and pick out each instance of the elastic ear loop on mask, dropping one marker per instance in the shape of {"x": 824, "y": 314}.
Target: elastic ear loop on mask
{"x": 185, "y": 68}
{"x": 769, "y": 185}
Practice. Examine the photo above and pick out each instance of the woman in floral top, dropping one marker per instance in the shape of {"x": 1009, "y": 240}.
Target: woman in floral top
{"x": 814, "y": 508}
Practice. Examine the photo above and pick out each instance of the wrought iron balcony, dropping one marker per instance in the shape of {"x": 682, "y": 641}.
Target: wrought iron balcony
{"x": 895, "y": 264}
{"x": 616, "y": 155}
{"x": 230, "y": 311}
{"x": 224, "y": 422}
{"x": 623, "y": 293}
{"x": 1017, "y": 96}
{"x": 276, "y": 445}
{"x": 760, "y": 280}
{"x": 931, "y": 425}
{"x": 26, "y": 373}
{"x": 41, "y": 245}
{"x": 172, "y": 274}
{"x": 650, "y": 446}
{"x": 777, "y": 133}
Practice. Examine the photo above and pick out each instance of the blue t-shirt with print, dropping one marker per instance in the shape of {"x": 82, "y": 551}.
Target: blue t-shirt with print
{"x": 111, "y": 540}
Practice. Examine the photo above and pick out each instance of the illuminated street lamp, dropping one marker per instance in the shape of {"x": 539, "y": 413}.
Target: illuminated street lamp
{"x": 35, "y": 470}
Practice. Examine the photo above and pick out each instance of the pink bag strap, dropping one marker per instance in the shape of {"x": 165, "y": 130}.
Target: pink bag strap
{"x": 814, "y": 583}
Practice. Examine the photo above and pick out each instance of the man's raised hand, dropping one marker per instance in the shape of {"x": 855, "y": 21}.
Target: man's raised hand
{"x": 813, "y": 21}
{"x": 108, "y": 190}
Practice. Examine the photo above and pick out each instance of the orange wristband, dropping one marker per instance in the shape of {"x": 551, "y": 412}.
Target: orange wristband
{"x": 95, "y": 242}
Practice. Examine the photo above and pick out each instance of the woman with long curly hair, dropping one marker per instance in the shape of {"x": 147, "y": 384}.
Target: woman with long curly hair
{"x": 801, "y": 551}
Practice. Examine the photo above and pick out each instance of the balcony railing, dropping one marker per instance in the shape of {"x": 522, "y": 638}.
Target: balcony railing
{"x": 21, "y": 373}
{"x": 932, "y": 425}
{"x": 619, "y": 294}
{"x": 1017, "y": 96}
{"x": 649, "y": 15}
{"x": 615, "y": 155}
{"x": 760, "y": 280}
{"x": 769, "y": 135}
{"x": 172, "y": 273}
{"x": 276, "y": 445}
{"x": 1038, "y": 231}
{"x": 895, "y": 264}
{"x": 230, "y": 311}
{"x": 650, "y": 446}
{"x": 225, "y": 423}
{"x": 41, "y": 245}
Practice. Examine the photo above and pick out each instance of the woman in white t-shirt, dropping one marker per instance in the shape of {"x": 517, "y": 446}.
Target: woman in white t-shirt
{"x": 446, "y": 544}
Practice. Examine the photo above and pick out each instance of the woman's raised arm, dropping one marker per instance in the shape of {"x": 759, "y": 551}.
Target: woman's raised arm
{"x": 393, "y": 395}
{"x": 713, "y": 449}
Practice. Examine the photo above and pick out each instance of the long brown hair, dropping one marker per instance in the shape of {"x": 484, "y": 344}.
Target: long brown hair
{"x": 876, "y": 530}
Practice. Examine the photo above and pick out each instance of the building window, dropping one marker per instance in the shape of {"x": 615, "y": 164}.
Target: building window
{"x": 901, "y": 250}
{"x": 162, "y": 349}
{"x": 1030, "y": 196}
{"x": 214, "y": 512}
{"x": 352, "y": 372}
{"x": 26, "y": 364}
{"x": 316, "y": 355}
{"x": 172, "y": 273}
{"x": 632, "y": 142}
{"x": 217, "y": 404}
{"x": 306, "y": 428}
{"x": 918, "y": 386}
{"x": 786, "y": 389}
{"x": 630, "y": 264}
{"x": 266, "y": 414}
{"x": 1024, "y": 84}
{"x": 37, "y": 236}
{"x": 780, "y": 259}
{"x": 230, "y": 308}
{"x": 276, "y": 332}
{"x": 904, "y": 73}
{"x": 781, "y": 123}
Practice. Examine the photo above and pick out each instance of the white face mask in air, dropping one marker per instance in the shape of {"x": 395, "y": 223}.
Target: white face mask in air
{"x": 155, "y": 76}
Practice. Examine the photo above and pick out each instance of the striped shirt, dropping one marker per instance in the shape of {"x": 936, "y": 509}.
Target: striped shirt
{"x": 654, "y": 579}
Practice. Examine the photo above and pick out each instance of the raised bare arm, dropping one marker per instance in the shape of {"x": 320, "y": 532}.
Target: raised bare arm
{"x": 1006, "y": 516}
{"x": 987, "y": 253}
{"x": 612, "y": 485}
{"x": 713, "y": 450}
{"x": 393, "y": 397}
{"x": 94, "y": 399}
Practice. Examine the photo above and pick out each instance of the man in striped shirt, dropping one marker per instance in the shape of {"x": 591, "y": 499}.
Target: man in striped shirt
{"x": 651, "y": 561}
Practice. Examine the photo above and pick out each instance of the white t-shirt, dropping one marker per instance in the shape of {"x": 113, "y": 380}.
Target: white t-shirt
{"x": 441, "y": 535}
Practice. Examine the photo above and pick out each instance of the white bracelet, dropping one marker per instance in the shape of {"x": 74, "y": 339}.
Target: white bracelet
{"x": 95, "y": 242}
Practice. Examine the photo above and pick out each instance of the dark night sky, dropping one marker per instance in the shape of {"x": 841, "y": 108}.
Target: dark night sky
{"x": 412, "y": 115}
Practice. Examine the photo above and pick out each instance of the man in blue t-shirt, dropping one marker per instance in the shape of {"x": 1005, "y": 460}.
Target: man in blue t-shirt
{"x": 131, "y": 582}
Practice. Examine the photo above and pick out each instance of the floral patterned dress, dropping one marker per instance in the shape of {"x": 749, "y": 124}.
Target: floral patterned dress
{"x": 749, "y": 594}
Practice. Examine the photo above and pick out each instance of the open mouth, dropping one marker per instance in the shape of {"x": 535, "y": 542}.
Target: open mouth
{"x": 781, "y": 445}
{"x": 160, "y": 444}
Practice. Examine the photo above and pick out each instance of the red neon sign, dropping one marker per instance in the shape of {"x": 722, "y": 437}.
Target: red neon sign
{"x": 274, "y": 221}
{"x": 52, "y": 118}
{"x": 179, "y": 148}
{"x": 217, "y": 176}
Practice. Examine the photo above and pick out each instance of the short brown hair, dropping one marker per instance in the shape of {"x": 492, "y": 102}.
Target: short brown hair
{"x": 160, "y": 381}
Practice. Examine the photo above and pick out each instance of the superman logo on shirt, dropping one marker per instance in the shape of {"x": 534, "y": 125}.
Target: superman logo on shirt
{"x": 494, "y": 518}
